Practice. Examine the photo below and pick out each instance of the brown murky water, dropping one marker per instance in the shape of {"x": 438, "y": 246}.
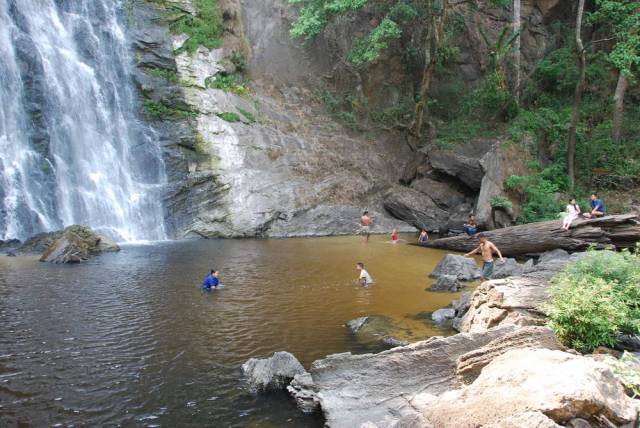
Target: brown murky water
{"x": 131, "y": 339}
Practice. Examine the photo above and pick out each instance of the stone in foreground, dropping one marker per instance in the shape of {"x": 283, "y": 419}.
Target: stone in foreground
{"x": 446, "y": 283}
{"x": 443, "y": 316}
{"x": 463, "y": 268}
{"x": 273, "y": 373}
{"x": 562, "y": 386}
{"x": 76, "y": 244}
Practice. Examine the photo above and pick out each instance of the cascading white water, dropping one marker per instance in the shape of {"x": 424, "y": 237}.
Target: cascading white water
{"x": 72, "y": 149}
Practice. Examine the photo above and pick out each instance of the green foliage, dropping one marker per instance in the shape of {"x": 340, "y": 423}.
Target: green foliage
{"x": 369, "y": 48}
{"x": 247, "y": 114}
{"x": 596, "y": 298}
{"x": 205, "y": 28}
{"x": 622, "y": 17}
{"x": 491, "y": 100}
{"x": 158, "y": 110}
{"x": 239, "y": 61}
{"x": 230, "y": 116}
{"x": 316, "y": 14}
{"x": 500, "y": 203}
{"x": 627, "y": 373}
{"x": 558, "y": 71}
{"x": 170, "y": 75}
{"x": 227, "y": 82}
{"x": 539, "y": 190}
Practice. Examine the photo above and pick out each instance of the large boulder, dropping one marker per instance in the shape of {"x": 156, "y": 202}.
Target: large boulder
{"x": 446, "y": 283}
{"x": 510, "y": 267}
{"x": 271, "y": 373}
{"x": 76, "y": 244}
{"x": 415, "y": 208}
{"x": 513, "y": 300}
{"x": 497, "y": 165}
{"x": 461, "y": 162}
{"x": 376, "y": 388}
{"x": 443, "y": 194}
{"x": 471, "y": 363}
{"x": 463, "y": 268}
{"x": 560, "y": 385}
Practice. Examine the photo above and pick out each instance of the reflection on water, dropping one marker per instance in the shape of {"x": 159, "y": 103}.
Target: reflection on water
{"x": 129, "y": 338}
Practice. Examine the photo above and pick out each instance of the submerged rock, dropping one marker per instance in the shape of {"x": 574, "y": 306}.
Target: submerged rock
{"x": 271, "y": 373}
{"x": 443, "y": 316}
{"x": 562, "y": 386}
{"x": 446, "y": 283}
{"x": 392, "y": 342}
{"x": 463, "y": 268}
{"x": 379, "y": 330}
{"x": 76, "y": 244}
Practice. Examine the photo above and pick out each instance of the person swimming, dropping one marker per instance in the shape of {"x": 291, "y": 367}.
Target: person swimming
{"x": 365, "y": 279}
{"x": 394, "y": 236}
{"x": 211, "y": 281}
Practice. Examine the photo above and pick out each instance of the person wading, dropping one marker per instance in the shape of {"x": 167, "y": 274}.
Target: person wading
{"x": 486, "y": 248}
{"x": 365, "y": 226}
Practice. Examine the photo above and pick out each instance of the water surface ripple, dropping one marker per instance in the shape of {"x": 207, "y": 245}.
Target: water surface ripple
{"x": 130, "y": 339}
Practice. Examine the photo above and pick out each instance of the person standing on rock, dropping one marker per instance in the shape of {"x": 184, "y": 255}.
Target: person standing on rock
{"x": 365, "y": 279}
{"x": 365, "y": 226}
{"x": 486, "y": 248}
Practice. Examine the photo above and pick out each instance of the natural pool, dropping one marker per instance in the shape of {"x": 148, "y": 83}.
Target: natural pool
{"x": 130, "y": 339}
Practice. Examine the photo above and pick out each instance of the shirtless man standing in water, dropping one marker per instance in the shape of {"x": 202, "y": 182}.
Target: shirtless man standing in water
{"x": 486, "y": 248}
{"x": 365, "y": 226}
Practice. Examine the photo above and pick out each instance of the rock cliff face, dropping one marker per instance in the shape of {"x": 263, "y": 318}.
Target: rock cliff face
{"x": 270, "y": 161}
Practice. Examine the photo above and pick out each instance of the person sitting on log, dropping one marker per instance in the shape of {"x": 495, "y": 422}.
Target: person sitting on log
{"x": 471, "y": 227}
{"x": 573, "y": 211}
{"x": 597, "y": 207}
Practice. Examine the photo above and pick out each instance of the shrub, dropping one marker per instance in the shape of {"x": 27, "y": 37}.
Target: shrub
{"x": 595, "y": 299}
{"x": 491, "y": 100}
{"x": 227, "y": 82}
{"x": 230, "y": 116}
{"x": 500, "y": 203}
{"x": 205, "y": 28}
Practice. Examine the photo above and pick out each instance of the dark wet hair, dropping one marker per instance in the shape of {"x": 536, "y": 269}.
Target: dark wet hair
{"x": 213, "y": 271}
{"x": 481, "y": 235}
{"x": 594, "y": 194}
{"x": 365, "y": 213}
{"x": 360, "y": 264}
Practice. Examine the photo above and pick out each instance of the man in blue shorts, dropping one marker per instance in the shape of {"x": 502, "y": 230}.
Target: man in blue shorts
{"x": 211, "y": 281}
{"x": 486, "y": 248}
{"x": 597, "y": 207}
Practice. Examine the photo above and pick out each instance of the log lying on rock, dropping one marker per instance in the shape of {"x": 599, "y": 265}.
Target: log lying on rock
{"x": 621, "y": 231}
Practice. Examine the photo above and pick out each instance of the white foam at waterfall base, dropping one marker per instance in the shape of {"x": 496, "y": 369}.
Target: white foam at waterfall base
{"x": 72, "y": 148}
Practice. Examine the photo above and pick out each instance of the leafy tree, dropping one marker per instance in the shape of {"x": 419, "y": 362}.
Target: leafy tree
{"x": 577, "y": 98}
{"x": 622, "y": 20}
{"x": 399, "y": 17}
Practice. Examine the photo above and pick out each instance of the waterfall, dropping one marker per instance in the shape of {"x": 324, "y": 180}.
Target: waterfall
{"x": 72, "y": 148}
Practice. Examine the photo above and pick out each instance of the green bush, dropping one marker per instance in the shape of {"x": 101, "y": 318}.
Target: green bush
{"x": 205, "y": 28}
{"x": 170, "y": 75}
{"x": 490, "y": 101}
{"x": 500, "y": 203}
{"x": 158, "y": 110}
{"x": 227, "y": 82}
{"x": 539, "y": 191}
{"x": 595, "y": 299}
{"x": 230, "y": 116}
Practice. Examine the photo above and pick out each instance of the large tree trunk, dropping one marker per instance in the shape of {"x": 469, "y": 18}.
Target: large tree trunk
{"x": 577, "y": 98}
{"x": 435, "y": 35}
{"x": 621, "y": 231}
{"x": 618, "y": 106}
{"x": 516, "y": 44}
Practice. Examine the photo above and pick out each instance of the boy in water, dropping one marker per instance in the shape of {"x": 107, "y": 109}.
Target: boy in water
{"x": 211, "y": 281}
{"x": 486, "y": 248}
{"x": 365, "y": 279}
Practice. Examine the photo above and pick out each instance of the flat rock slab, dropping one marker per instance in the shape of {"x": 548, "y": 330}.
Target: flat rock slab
{"x": 377, "y": 388}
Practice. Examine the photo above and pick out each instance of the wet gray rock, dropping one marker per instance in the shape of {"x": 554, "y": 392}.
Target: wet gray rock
{"x": 376, "y": 330}
{"x": 271, "y": 373}
{"x": 463, "y": 268}
{"x": 76, "y": 244}
{"x": 461, "y": 306}
{"x": 446, "y": 283}
{"x": 415, "y": 208}
{"x": 510, "y": 267}
{"x": 443, "y": 194}
{"x": 553, "y": 256}
{"x": 628, "y": 342}
{"x": 392, "y": 342}
{"x": 443, "y": 317}
{"x": 377, "y": 388}
{"x": 461, "y": 162}
{"x": 37, "y": 244}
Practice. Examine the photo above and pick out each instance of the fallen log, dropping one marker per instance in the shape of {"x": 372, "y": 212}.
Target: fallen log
{"x": 619, "y": 231}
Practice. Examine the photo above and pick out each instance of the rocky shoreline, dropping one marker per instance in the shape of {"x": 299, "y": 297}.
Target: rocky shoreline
{"x": 504, "y": 368}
